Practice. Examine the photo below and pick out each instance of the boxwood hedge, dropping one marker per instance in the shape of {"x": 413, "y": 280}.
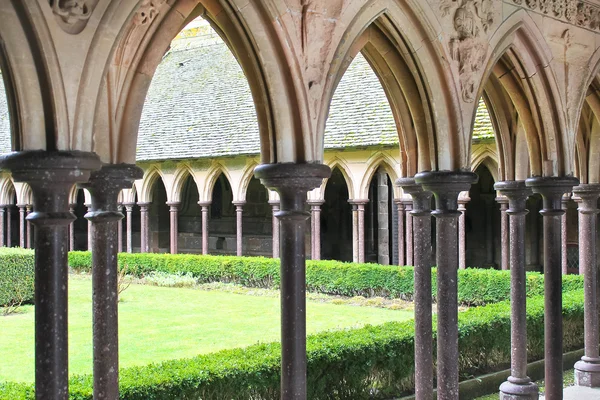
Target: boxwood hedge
{"x": 374, "y": 362}
{"x": 475, "y": 286}
{"x": 16, "y": 276}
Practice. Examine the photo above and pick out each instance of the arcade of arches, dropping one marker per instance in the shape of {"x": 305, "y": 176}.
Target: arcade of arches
{"x": 83, "y": 106}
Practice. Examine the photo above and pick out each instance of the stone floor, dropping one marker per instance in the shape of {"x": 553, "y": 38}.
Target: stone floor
{"x": 580, "y": 393}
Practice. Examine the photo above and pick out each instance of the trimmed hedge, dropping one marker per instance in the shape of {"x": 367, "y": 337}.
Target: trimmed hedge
{"x": 17, "y": 274}
{"x": 374, "y": 362}
{"x": 475, "y": 286}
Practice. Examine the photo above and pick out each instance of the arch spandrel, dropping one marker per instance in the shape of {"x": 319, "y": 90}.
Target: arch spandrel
{"x": 347, "y": 172}
{"x": 182, "y": 173}
{"x": 376, "y": 161}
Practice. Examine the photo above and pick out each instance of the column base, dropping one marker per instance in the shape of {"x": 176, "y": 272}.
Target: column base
{"x": 526, "y": 390}
{"x": 587, "y": 373}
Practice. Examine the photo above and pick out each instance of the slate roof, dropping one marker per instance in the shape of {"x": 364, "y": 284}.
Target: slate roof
{"x": 5, "y": 146}
{"x": 482, "y": 129}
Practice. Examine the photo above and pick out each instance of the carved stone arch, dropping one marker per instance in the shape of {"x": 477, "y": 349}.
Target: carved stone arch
{"x": 521, "y": 61}
{"x": 409, "y": 28}
{"x": 487, "y": 157}
{"x": 373, "y": 164}
{"x": 7, "y": 189}
{"x": 181, "y": 174}
{"x": 340, "y": 164}
{"x": 588, "y": 139}
{"x": 144, "y": 40}
{"x": 245, "y": 181}
{"x": 211, "y": 178}
{"x": 148, "y": 181}
{"x": 502, "y": 115}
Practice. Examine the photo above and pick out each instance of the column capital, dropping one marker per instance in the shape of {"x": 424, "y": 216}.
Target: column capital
{"x": 128, "y": 206}
{"x": 315, "y": 203}
{"x": 516, "y": 192}
{"x": 240, "y": 203}
{"x": 274, "y": 203}
{"x": 421, "y": 199}
{"x": 552, "y": 189}
{"x": 446, "y": 186}
{"x": 204, "y": 203}
{"x": 173, "y": 205}
{"x": 292, "y": 181}
{"x": 587, "y": 196}
{"x": 144, "y": 205}
{"x": 358, "y": 202}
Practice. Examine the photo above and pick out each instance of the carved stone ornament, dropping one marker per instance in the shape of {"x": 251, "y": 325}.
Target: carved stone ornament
{"x": 467, "y": 47}
{"x": 73, "y": 15}
{"x": 576, "y": 12}
{"x": 147, "y": 11}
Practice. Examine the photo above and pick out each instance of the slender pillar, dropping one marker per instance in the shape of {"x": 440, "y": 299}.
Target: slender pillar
{"x": 552, "y": 189}
{"x": 587, "y": 370}
{"x": 400, "y": 229}
{"x": 72, "y": 228}
{"x": 534, "y": 236}
{"x": 9, "y": 211}
{"x": 446, "y": 186}
{"x": 104, "y": 187}
{"x": 129, "y": 235}
{"x": 563, "y": 235}
{"x": 2, "y": 238}
{"x": 144, "y": 227}
{"x": 354, "y": 231}
{"x": 292, "y": 182}
{"x": 120, "y": 230}
{"x": 315, "y": 224}
{"x": 409, "y": 232}
{"x": 29, "y": 227}
{"x": 90, "y": 238}
{"x": 358, "y": 219}
{"x": 22, "y": 225}
{"x": 518, "y": 386}
{"x": 382, "y": 213}
{"x": 174, "y": 230}
{"x": 204, "y": 205}
{"x": 421, "y": 214}
{"x": 239, "y": 210}
{"x": 462, "y": 234}
{"x": 275, "y": 206}
{"x": 504, "y": 233}
{"x": 51, "y": 176}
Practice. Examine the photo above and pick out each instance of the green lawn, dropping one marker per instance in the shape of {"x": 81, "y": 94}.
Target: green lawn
{"x": 158, "y": 323}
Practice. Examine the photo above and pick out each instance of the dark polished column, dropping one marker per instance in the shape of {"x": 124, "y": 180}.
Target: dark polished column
{"x": 72, "y": 228}
{"x": 144, "y": 227}
{"x": 2, "y": 219}
{"x": 315, "y": 224}
{"x": 51, "y": 176}
{"x": 239, "y": 212}
{"x": 120, "y": 230}
{"x": 22, "y": 225}
{"x": 563, "y": 236}
{"x": 292, "y": 182}
{"x": 518, "y": 386}
{"x": 104, "y": 186}
{"x": 409, "y": 232}
{"x": 446, "y": 186}
{"x": 552, "y": 189}
{"x": 587, "y": 370}
{"x": 29, "y": 227}
{"x": 504, "y": 235}
{"x": 421, "y": 215}
{"x": 204, "y": 205}
{"x": 400, "y": 229}
{"x": 174, "y": 230}
{"x": 129, "y": 235}
{"x": 275, "y": 206}
{"x": 462, "y": 234}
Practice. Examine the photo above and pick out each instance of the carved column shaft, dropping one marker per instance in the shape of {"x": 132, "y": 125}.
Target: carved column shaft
{"x": 239, "y": 210}
{"x": 90, "y": 234}
{"x": 144, "y": 227}
{"x": 504, "y": 233}
{"x": 120, "y": 231}
{"x": 462, "y": 234}
{"x": 9, "y": 212}
{"x": 204, "y": 206}
{"x": 72, "y": 228}
{"x": 563, "y": 236}
{"x": 29, "y": 228}
{"x": 354, "y": 232}
{"x": 2, "y": 222}
{"x": 174, "y": 229}
{"x": 129, "y": 238}
{"x": 22, "y": 226}
{"x": 400, "y": 229}
{"x": 552, "y": 190}
{"x": 409, "y": 232}
{"x": 292, "y": 182}
{"x": 275, "y": 208}
{"x": 315, "y": 219}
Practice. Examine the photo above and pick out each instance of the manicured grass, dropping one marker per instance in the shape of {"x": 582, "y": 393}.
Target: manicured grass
{"x": 159, "y": 323}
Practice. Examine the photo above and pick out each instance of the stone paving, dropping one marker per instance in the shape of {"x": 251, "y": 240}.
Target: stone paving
{"x": 579, "y": 393}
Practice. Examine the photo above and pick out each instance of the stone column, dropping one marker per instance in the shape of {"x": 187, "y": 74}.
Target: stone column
{"x": 72, "y": 228}
{"x": 504, "y": 233}
{"x": 446, "y": 186}
{"x": 174, "y": 230}
{"x": 409, "y": 232}
{"x": 144, "y": 227}
{"x": 90, "y": 238}
{"x": 120, "y": 230}
{"x": 275, "y": 206}
{"x": 104, "y": 187}
{"x": 587, "y": 370}
{"x": 292, "y": 182}
{"x": 29, "y": 228}
{"x": 400, "y": 229}
{"x": 129, "y": 235}
{"x": 563, "y": 235}
{"x": 315, "y": 224}
{"x": 383, "y": 229}
{"x": 2, "y": 219}
{"x": 358, "y": 219}
{"x": 421, "y": 214}
{"x": 239, "y": 210}
{"x": 51, "y": 176}
{"x": 204, "y": 205}
{"x": 354, "y": 231}
{"x": 462, "y": 234}
{"x": 22, "y": 225}
{"x": 489, "y": 231}
{"x": 9, "y": 211}
{"x": 518, "y": 386}
{"x": 552, "y": 189}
